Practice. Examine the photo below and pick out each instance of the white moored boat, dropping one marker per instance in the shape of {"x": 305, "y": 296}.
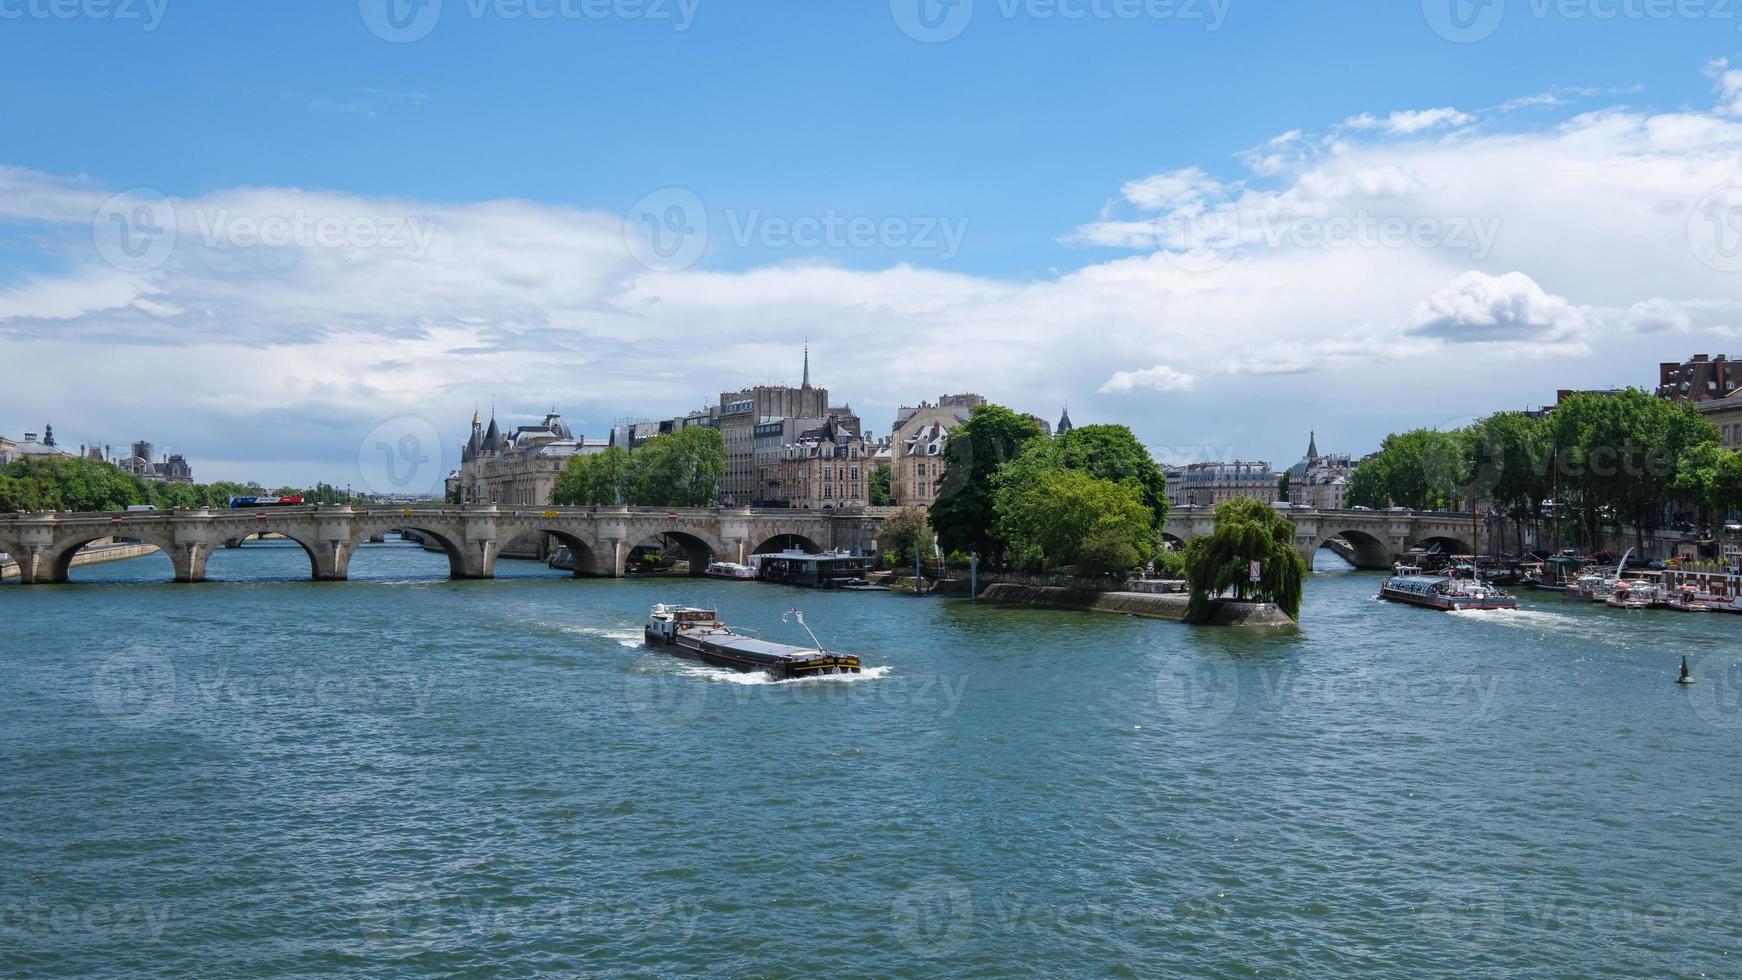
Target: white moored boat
{"x": 731, "y": 570}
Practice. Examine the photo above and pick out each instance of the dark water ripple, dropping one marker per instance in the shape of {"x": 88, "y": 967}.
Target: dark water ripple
{"x": 401, "y": 775}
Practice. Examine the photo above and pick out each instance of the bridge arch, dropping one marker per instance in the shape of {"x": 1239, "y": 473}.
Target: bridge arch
{"x": 781, "y": 542}
{"x": 1178, "y": 543}
{"x": 1368, "y": 552}
{"x": 447, "y": 540}
{"x": 589, "y": 560}
{"x": 60, "y": 557}
{"x": 1447, "y": 543}
{"x": 698, "y": 550}
{"x": 311, "y": 550}
{"x": 12, "y": 549}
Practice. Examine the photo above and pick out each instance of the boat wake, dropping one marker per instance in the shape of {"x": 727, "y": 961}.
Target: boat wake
{"x": 719, "y": 675}
{"x": 629, "y": 637}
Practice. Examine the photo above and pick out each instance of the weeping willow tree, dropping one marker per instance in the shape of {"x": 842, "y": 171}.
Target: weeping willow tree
{"x": 1247, "y": 531}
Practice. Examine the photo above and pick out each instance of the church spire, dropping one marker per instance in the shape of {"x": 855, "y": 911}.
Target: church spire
{"x": 1312, "y": 445}
{"x": 807, "y": 363}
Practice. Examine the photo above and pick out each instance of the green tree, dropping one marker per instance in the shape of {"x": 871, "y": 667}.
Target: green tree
{"x": 1712, "y": 476}
{"x": 593, "y": 480}
{"x": 878, "y": 481}
{"x": 1112, "y": 452}
{"x": 1618, "y": 456}
{"x": 1282, "y": 487}
{"x": 1247, "y": 531}
{"x": 1170, "y": 563}
{"x": 901, "y": 533}
{"x": 678, "y": 470}
{"x": 1367, "y": 485}
{"x": 1060, "y": 517}
{"x": 1509, "y": 460}
{"x": 963, "y": 512}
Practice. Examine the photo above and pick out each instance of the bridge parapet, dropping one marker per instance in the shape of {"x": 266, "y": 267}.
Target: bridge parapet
{"x": 471, "y": 536}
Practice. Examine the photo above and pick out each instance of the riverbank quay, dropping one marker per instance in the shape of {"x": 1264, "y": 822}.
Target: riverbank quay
{"x": 1169, "y": 605}
{"x": 93, "y": 555}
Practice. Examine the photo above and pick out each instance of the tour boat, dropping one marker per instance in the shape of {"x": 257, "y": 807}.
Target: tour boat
{"x": 699, "y": 634}
{"x": 731, "y": 570}
{"x": 1447, "y": 594}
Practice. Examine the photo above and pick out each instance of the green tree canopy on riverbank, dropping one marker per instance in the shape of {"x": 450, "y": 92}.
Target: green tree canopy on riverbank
{"x": 1247, "y": 531}
{"x": 682, "y": 469}
{"x": 1608, "y": 459}
{"x": 964, "y": 514}
{"x": 1091, "y": 498}
{"x": 76, "y": 483}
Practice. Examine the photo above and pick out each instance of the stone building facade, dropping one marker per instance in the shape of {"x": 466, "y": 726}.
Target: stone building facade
{"x": 917, "y": 443}
{"x": 1701, "y": 378}
{"x": 1319, "y": 480}
{"x": 1208, "y": 484}
{"x": 519, "y": 468}
{"x": 742, "y": 411}
{"x": 827, "y": 467}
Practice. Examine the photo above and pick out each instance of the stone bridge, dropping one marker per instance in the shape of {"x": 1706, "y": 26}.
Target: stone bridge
{"x": 1376, "y": 537}
{"x": 600, "y": 538}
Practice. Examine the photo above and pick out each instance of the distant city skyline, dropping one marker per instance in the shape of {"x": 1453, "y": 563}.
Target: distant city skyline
{"x": 348, "y": 231}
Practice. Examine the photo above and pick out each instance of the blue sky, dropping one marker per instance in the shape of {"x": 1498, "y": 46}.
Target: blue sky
{"x": 1026, "y": 132}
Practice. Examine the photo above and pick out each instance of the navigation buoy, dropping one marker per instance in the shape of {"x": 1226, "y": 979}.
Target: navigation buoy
{"x": 1687, "y": 676}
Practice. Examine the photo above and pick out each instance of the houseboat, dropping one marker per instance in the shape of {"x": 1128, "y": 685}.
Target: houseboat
{"x": 1447, "y": 594}
{"x": 831, "y": 570}
{"x": 1714, "y": 587}
{"x": 700, "y": 635}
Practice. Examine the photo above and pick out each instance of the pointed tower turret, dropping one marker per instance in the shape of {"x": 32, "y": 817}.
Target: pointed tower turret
{"x": 1065, "y": 425}
{"x": 807, "y": 364}
{"x": 1312, "y": 446}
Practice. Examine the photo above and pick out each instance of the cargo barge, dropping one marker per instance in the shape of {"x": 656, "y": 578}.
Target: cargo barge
{"x": 1446, "y": 594}
{"x": 699, "y": 634}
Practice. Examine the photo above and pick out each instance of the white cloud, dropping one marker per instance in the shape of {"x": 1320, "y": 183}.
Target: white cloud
{"x": 1657, "y": 315}
{"x": 1479, "y": 308}
{"x": 1729, "y": 84}
{"x": 1157, "y": 378}
{"x": 1411, "y": 122}
{"x": 536, "y": 304}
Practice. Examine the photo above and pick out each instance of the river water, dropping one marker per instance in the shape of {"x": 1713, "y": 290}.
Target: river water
{"x": 406, "y": 776}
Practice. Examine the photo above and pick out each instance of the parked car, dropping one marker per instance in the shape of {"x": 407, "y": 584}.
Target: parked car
{"x": 136, "y": 508}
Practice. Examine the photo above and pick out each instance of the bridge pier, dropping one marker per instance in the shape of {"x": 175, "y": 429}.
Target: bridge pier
{"x": 190, "y": 562}
{"x": 31, "y": 561}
